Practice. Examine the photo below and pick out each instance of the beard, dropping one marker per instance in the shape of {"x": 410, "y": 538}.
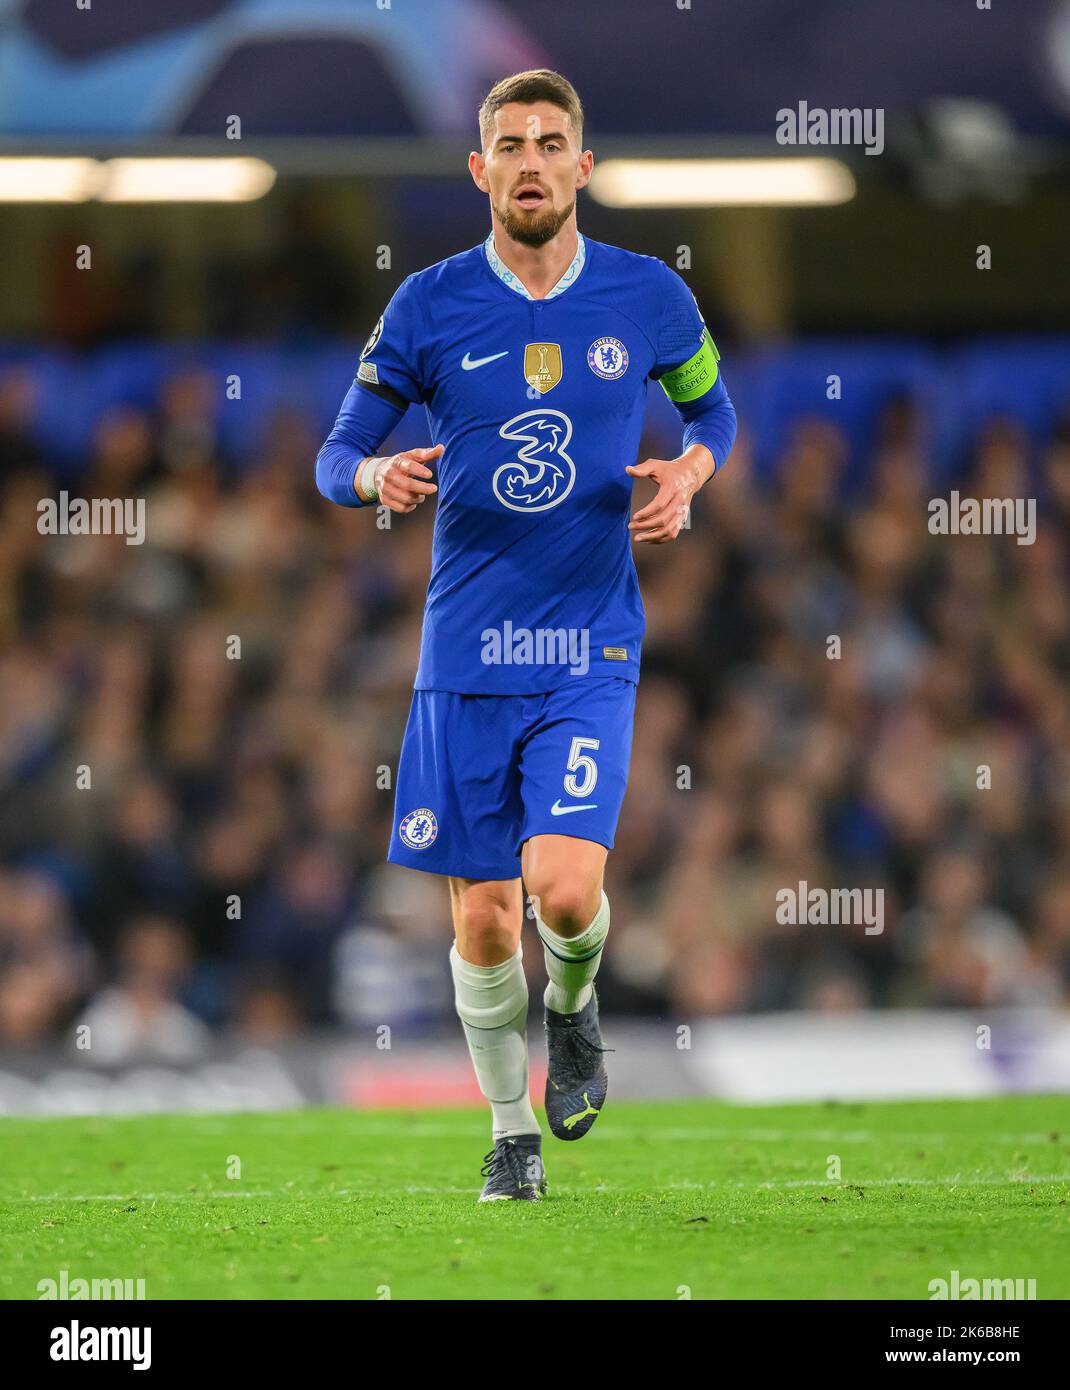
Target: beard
{"x": 533, "y": 228}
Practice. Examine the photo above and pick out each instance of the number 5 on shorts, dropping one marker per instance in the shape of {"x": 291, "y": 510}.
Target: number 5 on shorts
{"x": 577, "y": 760}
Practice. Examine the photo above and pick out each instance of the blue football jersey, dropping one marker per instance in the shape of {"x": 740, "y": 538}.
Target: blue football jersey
{"x": 539, "y": 406}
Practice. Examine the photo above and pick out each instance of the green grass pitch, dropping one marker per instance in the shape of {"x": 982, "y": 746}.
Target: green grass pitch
{"x": 661, "y": 1201}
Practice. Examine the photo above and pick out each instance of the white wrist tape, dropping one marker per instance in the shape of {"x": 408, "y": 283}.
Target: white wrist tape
{"x": 366, "y": 488}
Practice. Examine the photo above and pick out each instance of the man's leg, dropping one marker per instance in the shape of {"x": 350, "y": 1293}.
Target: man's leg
{"x": 458, "y": 812}
{"x": 491, "y": 995}
{"x": 563, "y": 876}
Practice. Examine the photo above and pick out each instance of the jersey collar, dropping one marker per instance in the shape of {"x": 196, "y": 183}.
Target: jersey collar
{"x": 506, "y": 276}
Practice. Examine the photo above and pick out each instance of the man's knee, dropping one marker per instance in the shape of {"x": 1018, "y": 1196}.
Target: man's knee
{"x": 567, "y": 904}
{"x": 563, "y": 877}
{"x": 486, "y": 920}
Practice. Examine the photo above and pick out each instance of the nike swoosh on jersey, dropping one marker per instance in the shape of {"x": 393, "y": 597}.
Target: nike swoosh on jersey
{"x": 558, "y": 810}
{"x": 469, "y": 364}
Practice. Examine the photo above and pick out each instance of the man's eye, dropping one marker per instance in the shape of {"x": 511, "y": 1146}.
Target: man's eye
{"x": 552, "y": 148}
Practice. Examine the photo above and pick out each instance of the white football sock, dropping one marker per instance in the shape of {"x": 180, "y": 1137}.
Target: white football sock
{"x": 572, "y": 962}
{"x": 492, "y": 1004}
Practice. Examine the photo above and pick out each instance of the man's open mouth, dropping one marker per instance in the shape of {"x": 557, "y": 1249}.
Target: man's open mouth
{"x": 530, "y": 197}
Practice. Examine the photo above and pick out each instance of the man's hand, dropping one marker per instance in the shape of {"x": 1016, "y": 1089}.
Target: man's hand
{"x": 678, "y": 480}
{"x": 399, "y": 480}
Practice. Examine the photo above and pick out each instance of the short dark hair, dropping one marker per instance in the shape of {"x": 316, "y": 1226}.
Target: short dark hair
{"x": 540, "y": 84}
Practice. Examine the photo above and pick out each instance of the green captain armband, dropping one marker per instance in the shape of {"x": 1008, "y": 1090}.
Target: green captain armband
{"x": 697, "y": 374}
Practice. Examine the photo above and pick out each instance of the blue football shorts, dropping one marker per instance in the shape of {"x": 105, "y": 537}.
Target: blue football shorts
{"x": 480, "y": 774}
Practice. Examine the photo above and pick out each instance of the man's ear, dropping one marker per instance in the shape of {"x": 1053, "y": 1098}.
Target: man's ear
{"x": 583, "y": 174}
{"x": 477, "y": 167}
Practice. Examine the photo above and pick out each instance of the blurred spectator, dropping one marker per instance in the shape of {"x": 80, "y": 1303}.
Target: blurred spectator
{"x": 966, "y": 953}
{"x": 140, "y": 1017}
{"x": 44, "y": 968}
{"x": 18, "y": 447}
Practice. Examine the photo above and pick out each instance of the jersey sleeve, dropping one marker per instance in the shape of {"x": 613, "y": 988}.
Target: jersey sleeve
{"x": 391, "y": 361}
{"x": 389, "y": 379}
{"x": 688, "y": 368}
{"x": 681, "y": 327}
{"x": 363, "y": 422}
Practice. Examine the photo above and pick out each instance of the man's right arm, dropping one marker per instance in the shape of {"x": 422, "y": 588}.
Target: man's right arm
{"x": 389, "y": 379}
{"x": 363, "y": 422}
{"x": 349, "y": 472}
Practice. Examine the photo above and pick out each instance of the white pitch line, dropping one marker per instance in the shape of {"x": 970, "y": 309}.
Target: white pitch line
{"x": 372, "y": 1192}
{"x": 770, "y": 1136}
{"x": 670, "y": 1134}
{"x": 956, "y": 1181}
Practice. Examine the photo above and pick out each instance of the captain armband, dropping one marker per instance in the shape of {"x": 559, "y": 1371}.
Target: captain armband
{"x": 695, "y": 377}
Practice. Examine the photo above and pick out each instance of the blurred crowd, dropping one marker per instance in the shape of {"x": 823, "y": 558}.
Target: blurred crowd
{"x": 198, "y": 738}
{"x": 297, "y": 285}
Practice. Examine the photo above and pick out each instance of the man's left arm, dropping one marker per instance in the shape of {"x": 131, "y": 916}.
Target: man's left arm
{"x": 696, "y": 389}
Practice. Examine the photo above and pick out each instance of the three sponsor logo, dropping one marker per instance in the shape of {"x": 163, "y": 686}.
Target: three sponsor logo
{"x": 542, "y": 474}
